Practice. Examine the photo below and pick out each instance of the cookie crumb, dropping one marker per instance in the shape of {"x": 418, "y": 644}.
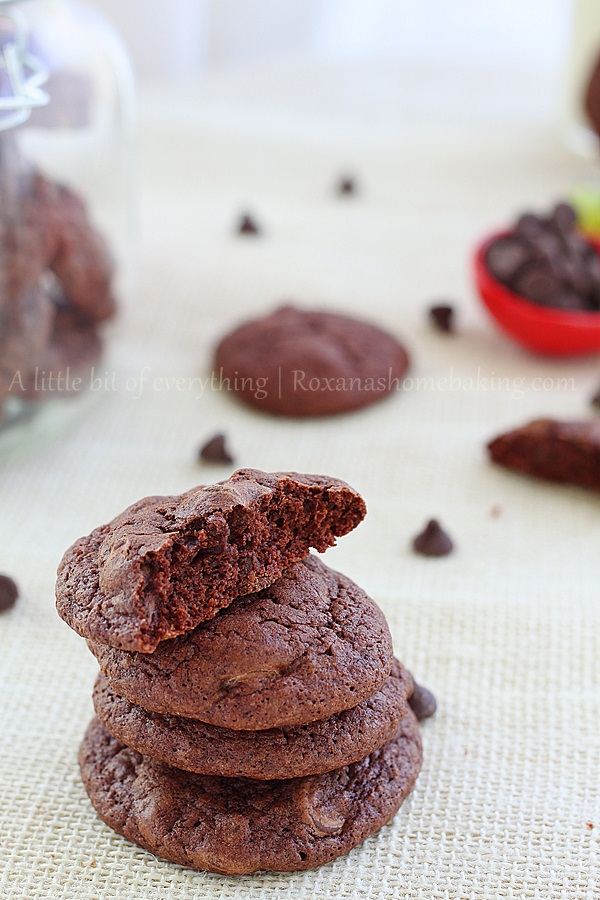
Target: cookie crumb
{"x": 215, "y": 451}
{"x": 433, "y": 540}
{"x": 422, "y": 702}
{"x": 9, "y": 593}
{"x": 590, "y": 825}
{"x": 442, "y": 318}
{"x": 346, "y": 186}
{"x": 496, "y": 511}
{"x": 247, "y": 225}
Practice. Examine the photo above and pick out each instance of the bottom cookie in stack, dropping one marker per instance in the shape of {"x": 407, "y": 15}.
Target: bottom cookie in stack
{"x": 235, "y": 826}
{"x": 276, "y": 736}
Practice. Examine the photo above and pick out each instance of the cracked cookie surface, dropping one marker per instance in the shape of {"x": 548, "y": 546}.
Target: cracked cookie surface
{"x": 168, "y": 563}
{"x": 299, "y": 363}
{"x": 309, "y": 646}
{"x": 236, "y": 825}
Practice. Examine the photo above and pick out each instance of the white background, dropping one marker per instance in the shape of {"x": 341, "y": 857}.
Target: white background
{"x": 191, "y": 36}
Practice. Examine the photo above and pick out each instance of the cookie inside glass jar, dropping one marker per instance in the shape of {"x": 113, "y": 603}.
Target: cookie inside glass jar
{"x": 65, "y": 209}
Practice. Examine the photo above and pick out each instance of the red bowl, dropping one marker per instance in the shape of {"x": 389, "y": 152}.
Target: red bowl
{"x": 553, "y": 332}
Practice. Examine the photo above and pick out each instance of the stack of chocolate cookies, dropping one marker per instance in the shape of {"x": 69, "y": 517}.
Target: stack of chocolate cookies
{"x": 250, "y": 712}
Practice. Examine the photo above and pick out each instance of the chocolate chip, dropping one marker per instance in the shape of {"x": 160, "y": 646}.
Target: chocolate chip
{"x": 442, "y": 317}
{"x": 547, "y": 261}
{"x": 528, "y": 226}
{"x": 433, "y": 541}
{"x": 422, "y": 702}
{"x": 505, "y": 257}
{"x": 537, "y": 282}
{"x": 346, "y": 185}
{"x": 247, "y": 225}
{"x": 564, "y": 217}
{"x": 215, "y": 451}
{"x": 9, "y": 593}
{"x": 595, "y": 400}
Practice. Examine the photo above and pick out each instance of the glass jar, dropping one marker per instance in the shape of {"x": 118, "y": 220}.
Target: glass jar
{"x": 66, "y": 197}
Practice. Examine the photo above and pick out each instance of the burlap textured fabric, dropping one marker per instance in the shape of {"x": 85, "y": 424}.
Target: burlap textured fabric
{"x": 505, "y": 631}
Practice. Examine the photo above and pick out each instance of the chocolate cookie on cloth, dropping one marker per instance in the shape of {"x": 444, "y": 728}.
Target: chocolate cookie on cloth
{"x": 567, "y": 452}
{"x": 309, "y": 646}
{"x": 272, "y": 753}
{"x": 309, "y": 363}
{"x": 235, "y": 826}
{"x": 168, "y": 563}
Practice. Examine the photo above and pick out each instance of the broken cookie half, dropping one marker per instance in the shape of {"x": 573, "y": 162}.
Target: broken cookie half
{"x": 566, "y": 452}
{"x": 168, "y": 563}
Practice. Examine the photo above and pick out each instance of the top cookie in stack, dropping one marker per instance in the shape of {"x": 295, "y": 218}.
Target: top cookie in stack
{"x": 168, "y": 563}
{"x": 250, "y": 713}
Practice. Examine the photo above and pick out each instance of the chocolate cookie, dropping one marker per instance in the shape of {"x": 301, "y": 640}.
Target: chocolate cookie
{"x": 309, "y": 646}
{"x": 25, "y": 328}
{"x": 307, "y": 363}
{"x": 27, "y": 231}
{"x": 81, "y": 260}
{"x": 566, "y": 452}
{"x": 74, "y": 347}
{"x": 273, "y": 753}
{"x": 234, "y": 825}
{"x": 168, "y": 563}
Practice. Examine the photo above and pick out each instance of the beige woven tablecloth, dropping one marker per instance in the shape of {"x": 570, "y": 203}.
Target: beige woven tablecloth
{"x": 505, "y": 631}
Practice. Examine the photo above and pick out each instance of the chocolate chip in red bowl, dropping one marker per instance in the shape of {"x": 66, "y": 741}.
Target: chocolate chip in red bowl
{"x": 9, "y": 593}
{"x": 541, "y": 283}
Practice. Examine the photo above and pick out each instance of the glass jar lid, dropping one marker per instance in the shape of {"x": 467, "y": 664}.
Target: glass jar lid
{"x": 21, "y": 73}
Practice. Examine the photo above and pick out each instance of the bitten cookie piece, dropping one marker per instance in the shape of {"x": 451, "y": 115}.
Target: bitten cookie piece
{"x": 234, "y": 826}
{"x": 272, "y": 753}
{"x": 301, "y": 363}
{"x": 168, "y": 563}
{"x": 309, "y": 646}
{"x": 567, "y": 452}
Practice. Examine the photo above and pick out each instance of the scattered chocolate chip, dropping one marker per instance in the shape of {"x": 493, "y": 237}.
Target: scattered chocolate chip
{"x": 8, "y": 593}
{"x": 422, "y": 702}
{"x": 442, "y": 317}
{"x": 247, "y": 225}
{"x": 433, "y": 541}
{"x": 548, "y": 261}
{"x": 215, "y": 451}
{"x": 346, "y": 186}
